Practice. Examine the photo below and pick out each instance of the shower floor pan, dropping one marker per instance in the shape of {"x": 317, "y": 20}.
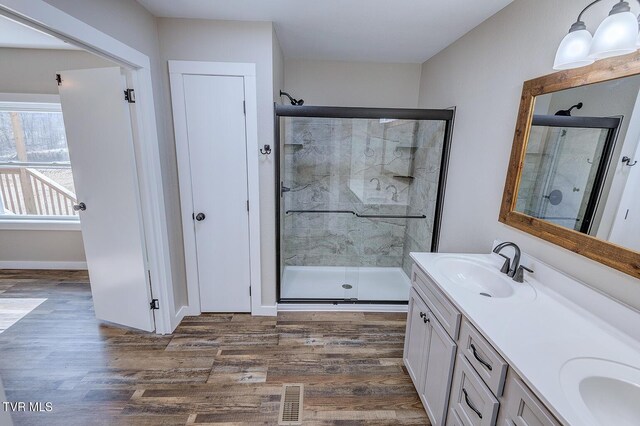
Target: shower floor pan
{"x": 366, "y": 284}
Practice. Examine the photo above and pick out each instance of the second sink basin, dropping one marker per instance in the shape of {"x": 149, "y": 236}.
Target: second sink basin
{"x": 604, "y": 392}
{"x": 483, "y": 279}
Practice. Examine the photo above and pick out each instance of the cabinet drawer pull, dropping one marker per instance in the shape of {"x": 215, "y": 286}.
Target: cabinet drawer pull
{"x": 466, "y": 399}
{"x": 480, "y": 360}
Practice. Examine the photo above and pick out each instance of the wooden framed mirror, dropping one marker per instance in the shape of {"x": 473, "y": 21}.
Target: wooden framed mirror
{"x": 574, "y": 174}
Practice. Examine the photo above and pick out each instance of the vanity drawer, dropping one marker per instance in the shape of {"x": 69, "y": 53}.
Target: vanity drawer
{"x": 441, "y": 307}
{"x": 522, "y": 408}
{"x": 471, "y": 400}
{"x": 489, "y": 365}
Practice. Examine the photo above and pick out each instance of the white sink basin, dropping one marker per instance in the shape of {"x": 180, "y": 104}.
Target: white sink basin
{"x": 603, "y": 392}
{"x": 483, "y": 279}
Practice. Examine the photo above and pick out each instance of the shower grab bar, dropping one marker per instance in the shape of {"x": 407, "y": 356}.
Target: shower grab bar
{"x": 366, "y": 216}
{"x": 558, "y": 218}
{"x": 321, "y": 211}
{"x": 391, "y": 216}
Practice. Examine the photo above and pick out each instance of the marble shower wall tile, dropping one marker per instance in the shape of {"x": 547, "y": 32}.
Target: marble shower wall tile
{"x": 423, "y": 192}
{"x": 328, "y": 164}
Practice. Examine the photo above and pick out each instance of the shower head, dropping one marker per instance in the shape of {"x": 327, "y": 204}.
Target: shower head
{"x": 567, "y": 112}
{"x": 295, "y": 102}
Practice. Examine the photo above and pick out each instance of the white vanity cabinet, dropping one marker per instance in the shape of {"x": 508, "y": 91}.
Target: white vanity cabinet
{"x": 429, "y": 351}
{"x": 461, "y": 378}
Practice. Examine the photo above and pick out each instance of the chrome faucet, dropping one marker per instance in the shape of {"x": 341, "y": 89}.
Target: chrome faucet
{"x": 512, "y": 269}
{"x": 394, "y": 197}
{"x": 378, "y": 181}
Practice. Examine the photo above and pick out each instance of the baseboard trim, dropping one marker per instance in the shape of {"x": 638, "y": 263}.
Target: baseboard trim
{"x": 309, "y": 307}
{"x": 29, "y": 264}
{"x": 260, "y": 311}
{"x": 265, "y": 311}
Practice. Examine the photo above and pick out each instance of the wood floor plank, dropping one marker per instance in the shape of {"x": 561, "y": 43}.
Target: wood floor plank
{"x": 216, "y": 369}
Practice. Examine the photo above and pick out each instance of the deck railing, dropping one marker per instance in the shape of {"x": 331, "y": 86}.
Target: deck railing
{"x": 26, "y": 191}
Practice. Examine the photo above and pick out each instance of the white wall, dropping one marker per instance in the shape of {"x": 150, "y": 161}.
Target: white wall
{"x": 18, "y": 248}
{"x": 482, "y": 74}
{"x": 363, "y": 84}
{"x": 231, "y": 41}
{"x": 33, "y": 71}
{"x": 278, "y": 68}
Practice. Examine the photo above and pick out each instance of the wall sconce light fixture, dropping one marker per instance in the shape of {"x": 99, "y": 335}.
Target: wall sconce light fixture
{"x": 616, "y": 35}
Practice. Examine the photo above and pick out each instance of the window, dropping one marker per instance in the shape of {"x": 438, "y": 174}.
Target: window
{"x": 35, "y": 172}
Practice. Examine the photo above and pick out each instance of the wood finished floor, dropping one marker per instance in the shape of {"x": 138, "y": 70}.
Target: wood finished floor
{"x": 215, "y": 369}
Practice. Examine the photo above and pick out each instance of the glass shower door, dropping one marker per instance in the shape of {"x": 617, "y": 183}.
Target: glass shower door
{"x": 357, "y": 195}
{"x": 318, "y": 255}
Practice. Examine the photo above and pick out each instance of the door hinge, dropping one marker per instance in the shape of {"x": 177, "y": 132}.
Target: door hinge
{"x": 244, "y": 107}
{"x": 247, "y": 205}
{"x": 130, "y": 96}
{"x": 249, "y": 291}
{"x": 59, "y": 79}
{"x": 155, "y": 304}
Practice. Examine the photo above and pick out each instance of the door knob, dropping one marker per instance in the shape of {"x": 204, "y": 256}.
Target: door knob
{"x": 80, "y": 206}
{"x": 200, "y": 217}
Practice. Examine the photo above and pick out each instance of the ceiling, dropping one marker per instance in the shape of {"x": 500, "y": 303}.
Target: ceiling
{"x": 408, "y": 31}
{"x": 13, "y": 34}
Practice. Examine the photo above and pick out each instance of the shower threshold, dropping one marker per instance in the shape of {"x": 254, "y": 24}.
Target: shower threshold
{"x": 344, "y": 285}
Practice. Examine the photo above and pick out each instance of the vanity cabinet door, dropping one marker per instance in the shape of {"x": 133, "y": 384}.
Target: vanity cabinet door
{"x": 522, "y": 407}
{"x": 416, "y": 339}
{"x": 441, "y": 352}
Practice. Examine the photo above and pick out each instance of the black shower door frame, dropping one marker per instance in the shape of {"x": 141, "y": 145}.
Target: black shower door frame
{"x": 446, "y": 115}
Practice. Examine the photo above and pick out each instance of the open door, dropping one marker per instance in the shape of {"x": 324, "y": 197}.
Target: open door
{"x": 99, "y": 135}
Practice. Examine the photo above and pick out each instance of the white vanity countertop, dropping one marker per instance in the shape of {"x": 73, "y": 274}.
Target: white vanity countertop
{"x": 537, "y": 337}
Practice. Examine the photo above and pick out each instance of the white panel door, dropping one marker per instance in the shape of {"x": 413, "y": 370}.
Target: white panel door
{"x": 214, "y": 107}
{"x": 99, "y": 134}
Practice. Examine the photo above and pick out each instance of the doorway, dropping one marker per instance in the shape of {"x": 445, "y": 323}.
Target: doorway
{"x": 117, "y": 275}
{"x": 215, "y": 121}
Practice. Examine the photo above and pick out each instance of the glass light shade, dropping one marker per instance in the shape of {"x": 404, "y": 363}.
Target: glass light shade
{"x": 616, "y": 35}
{"x": 573, "y": 51}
